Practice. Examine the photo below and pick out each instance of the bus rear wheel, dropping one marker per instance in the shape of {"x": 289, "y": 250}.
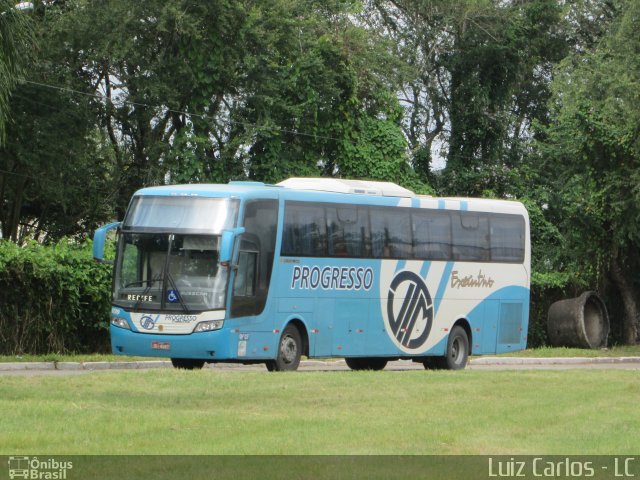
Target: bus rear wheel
{"x": 457, "y": 349}
{"x": 187, "y": 363}
{"x": 457, "y": 352}
{"x": 289, "y": 351}
{"x": 370, "y": 363}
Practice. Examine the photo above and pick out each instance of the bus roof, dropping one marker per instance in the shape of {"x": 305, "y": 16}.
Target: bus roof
{"x": 205, "y": 189}
{"x": 336, "y": 190}
{"x": 340, "y": 185}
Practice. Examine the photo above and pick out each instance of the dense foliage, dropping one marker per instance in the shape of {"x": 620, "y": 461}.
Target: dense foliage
{"x": 534, "y": 100}
{"x": 15, "y": 50}
{"x": 594, "y": 137}
{"x": 54, "y": 299}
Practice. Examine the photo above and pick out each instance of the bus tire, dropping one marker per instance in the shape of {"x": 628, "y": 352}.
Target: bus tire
{"x": 289, "y": 351}
{"x": 354, "y": 363}
{"x": 360, "y": 363}
{"x": 187, "y": 363}
{"x": 376, "y": 363}
{"x": 434, "y": 363}
{"x": 457, "y": 349}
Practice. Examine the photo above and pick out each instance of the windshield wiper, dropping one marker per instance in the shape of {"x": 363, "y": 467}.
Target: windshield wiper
{"x": 178, "y": 294}
{"x": 150, "y": 282}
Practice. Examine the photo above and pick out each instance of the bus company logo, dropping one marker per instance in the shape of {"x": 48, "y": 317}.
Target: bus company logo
{"x": 409, "y": 310}
{"x": 33, "y": 468}
{"x": 148, "y": 322}
{"x": 332, "y": 278}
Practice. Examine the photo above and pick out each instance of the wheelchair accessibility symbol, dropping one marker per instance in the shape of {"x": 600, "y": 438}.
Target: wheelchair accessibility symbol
{"x": 172, "y": 296}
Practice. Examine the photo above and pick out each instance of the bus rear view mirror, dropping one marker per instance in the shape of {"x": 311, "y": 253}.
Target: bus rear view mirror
{"x": 99, "y": 239}
{"x": 226, "y": 243}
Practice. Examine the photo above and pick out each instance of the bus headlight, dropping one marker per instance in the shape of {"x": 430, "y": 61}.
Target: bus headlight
{"x": 208, "y": 326}
{"x": 120, "y": 322}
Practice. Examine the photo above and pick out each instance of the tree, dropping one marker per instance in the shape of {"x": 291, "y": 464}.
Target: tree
{"x": 54, "y": 170}
{"x": 500, "y": 68}
{"x": 592, "y": 149}
{"x": 15, "y": 49}
{"x": 185, "y": 91}
{"x": 480, "y": 78}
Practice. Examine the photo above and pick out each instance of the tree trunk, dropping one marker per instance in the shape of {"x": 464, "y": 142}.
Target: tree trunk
{"x": 631, "y": 318}
{"x": 15, "y": 209}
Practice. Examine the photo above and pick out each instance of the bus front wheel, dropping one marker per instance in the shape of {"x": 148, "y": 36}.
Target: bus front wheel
{"x": 187, "y": 363}
{"x": 289, "y": 351}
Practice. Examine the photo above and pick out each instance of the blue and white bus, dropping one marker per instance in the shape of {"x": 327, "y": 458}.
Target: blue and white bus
{"x": 368, "y": 271}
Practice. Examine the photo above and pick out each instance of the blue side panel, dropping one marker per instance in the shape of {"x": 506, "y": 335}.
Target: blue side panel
{"x": 321, "y": 336}
{"x": 499, "y": 323}
{"x": 484, "y": 340}
{"x": 368, "y": 307}
{"x": 440, "y": 348}
{"x": 351, "y": 330}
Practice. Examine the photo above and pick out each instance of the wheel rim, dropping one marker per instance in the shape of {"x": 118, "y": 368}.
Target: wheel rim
{"x": 456, "y": 350}
{"x": 288, "y": 349}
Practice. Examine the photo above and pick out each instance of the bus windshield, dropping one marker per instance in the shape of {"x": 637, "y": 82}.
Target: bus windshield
{"x": 181, "y": 214}
{"x": 170, "y": 271}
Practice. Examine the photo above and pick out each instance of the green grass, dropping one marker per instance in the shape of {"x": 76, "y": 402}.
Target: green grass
{"x": 546, "y": 352}
{"x": 550, "y": 352}
{"x": 58, "y": 357}
{"x": 412, "y": 412}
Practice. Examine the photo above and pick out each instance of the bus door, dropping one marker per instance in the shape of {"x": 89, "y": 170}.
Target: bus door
{"x": 252, "y": 276}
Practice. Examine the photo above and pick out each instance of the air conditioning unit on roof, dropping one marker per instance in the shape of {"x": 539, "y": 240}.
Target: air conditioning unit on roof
{"x": 339, "y": 185}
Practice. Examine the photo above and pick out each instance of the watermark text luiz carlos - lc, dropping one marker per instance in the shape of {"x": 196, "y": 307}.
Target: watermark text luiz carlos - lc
{"x": 564, "y": 467}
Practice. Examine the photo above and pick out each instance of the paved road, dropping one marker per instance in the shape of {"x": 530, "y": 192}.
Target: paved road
{"x": 482, "y": 363}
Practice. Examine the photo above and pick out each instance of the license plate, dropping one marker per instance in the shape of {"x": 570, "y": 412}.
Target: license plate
{"x": 161, "y": 345}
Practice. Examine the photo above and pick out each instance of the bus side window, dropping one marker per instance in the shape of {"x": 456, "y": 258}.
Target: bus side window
{"x": 432, "y": 235}
{"x": 470, "y": 237}
{"x": 305, "y": 230}
{"x": 507, "y": 238}
{"x": 245, "y": 282}
{"x": 348, "y": 232}
{"x": 391, "y": 233}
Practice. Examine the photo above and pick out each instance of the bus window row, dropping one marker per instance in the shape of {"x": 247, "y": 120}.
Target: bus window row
{"x": 337, "y": 230}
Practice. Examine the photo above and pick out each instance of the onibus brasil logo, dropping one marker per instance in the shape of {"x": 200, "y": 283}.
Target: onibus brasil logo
{"x": 409, "y": 311}
{"x": 34, "y": 468}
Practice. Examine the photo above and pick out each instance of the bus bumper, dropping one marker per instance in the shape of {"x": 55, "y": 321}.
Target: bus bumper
{"x": 213, "y": 346}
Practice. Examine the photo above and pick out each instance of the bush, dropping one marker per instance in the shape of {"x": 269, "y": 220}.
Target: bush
{"x": 53, "y": 299}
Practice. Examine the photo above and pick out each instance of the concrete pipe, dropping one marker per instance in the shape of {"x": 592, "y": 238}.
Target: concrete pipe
{"x": 580, "y": 322}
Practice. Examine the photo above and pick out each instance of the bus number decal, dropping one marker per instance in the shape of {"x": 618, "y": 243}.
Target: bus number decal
{"x": 409, "y": 310}
{"x": 332, "y": 278}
